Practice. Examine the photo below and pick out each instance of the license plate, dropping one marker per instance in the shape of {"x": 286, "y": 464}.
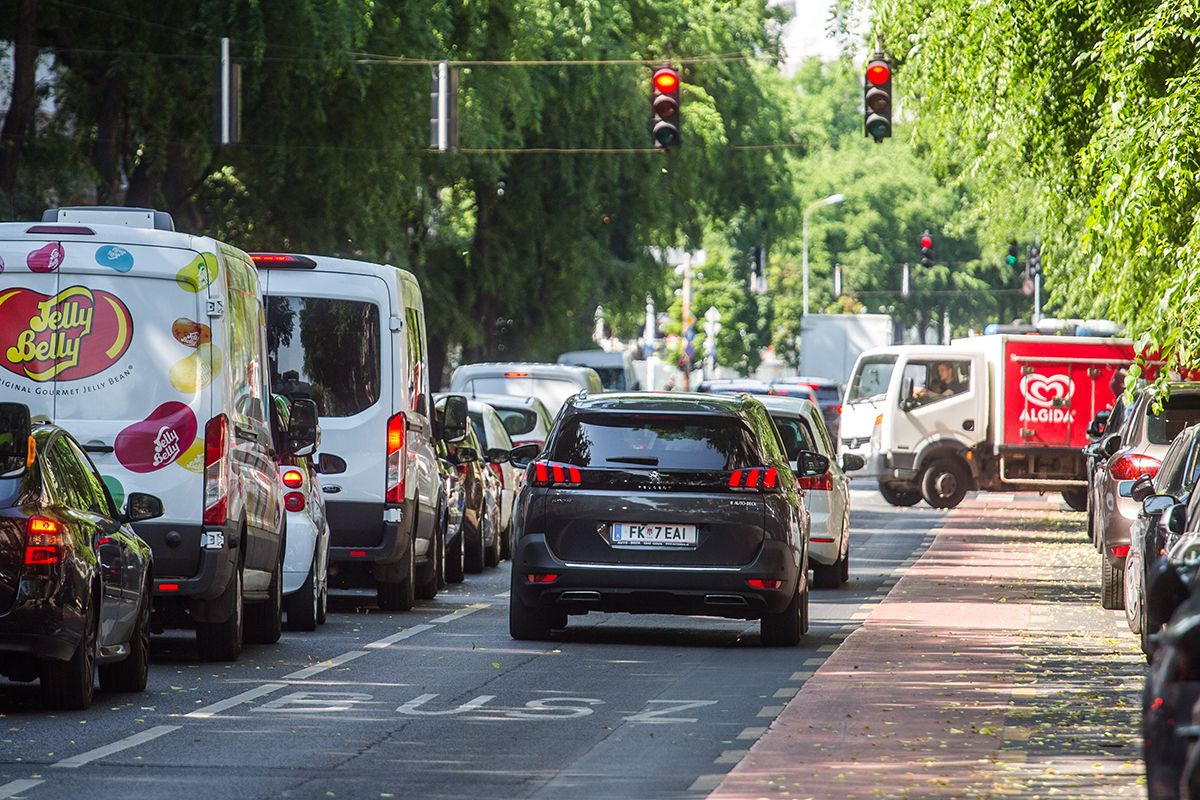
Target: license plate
{"x": 637, "y": 534}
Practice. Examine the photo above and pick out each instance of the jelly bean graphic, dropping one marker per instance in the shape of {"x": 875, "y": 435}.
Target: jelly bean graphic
{"x": 157, "y": 441}
{"x": 114, "y": 257}
{"x": 189, "y": 333}
{"x": 46, "y": 259}
{"x": 193, "y": 458}
{"x": 197, "y": 275}
{"x": 116, "y": 490}
{"x": 197, "y": 370}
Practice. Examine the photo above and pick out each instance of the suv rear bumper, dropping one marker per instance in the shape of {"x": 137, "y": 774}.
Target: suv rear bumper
{"x": 720, "y": 591}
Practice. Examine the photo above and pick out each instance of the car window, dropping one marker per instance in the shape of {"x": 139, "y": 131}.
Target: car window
{"x": 664, "y": 441}
{"x": 67, "y": 479}
{"x": 517, "y": 421}
{"x": 102, "y": 502}
{"x": 497, "y": 434}
{"x": 1171, "y": 474}
{"x": 796, "y": 436}
{"x": 936, "y": 379}
{"x": 871, "y": 378}
{"x": 478, "y": 428}
{"x": 1178, "y": 412}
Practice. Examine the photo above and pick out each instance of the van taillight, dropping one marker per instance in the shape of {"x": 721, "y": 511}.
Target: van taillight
{"x": 548, "y": 473}
{"x": 397, "y": 463}
{"x": 216, "y": 470}
{"x": 818, "y": 482}
{"x": 293, "y": 479}
{"x": 754, "y": 479}
{"x": 43, "y": 542}
{"x": 294, "y": 501}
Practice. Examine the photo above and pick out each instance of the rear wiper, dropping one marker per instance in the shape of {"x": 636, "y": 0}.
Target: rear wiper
{"x": 649, "y": 461}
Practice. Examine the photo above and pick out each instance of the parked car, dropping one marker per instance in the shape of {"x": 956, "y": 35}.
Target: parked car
{"x": 657, "y": 503}
{"x": 453, "y": 487}
{"x": 163, "y": 379}
{"x": 734, "y": 386}
{"x": 801, "y": 426}
{"x": 525, "y": 418}
{"x": 828, "y": 392}
{"x": 351, "y": 335}
{"x": 1150, "y": 537}
{"x": 75, "y": 580}
{"x": 497, "y": 450}
{"x": 550, "y": 383}
{"x": 614, "y": 368}
{"x": 1106, "y": 423}
{"x": 1138, "y": 451}
{"x": 479, "y": 545}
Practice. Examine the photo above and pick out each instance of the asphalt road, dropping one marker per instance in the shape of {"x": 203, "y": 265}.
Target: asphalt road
{"x": 440, "y": 703}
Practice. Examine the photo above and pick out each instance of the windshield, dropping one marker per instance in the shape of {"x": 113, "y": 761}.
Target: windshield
{"x": 689, "y": 443}
{"x": 1178, "y": 412}
{"x": 517, "y": 421}
{"x": 612, "y": 378}
{"x": 871, "y": 378}
{"x": 327, "y": 350}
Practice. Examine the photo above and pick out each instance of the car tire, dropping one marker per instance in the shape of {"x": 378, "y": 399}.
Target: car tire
{"x": 303, "y": 606}
{"x": 131, "y": 674}
{"x": 827, "y": 576}
{"x": 323, "y": 608}
{"x": 945, "y": 482}
{"x": 528, "y": 623}
{"x": 473, "y": 548}
{"x": 264, "y": 620}
{"x": 901, "y": 498}
{"x": 784, "y": 628}
{"x": 427, "y": 587}
{"x": 506, "y": 542}
{"x": 1076, "y": 499}
{"x": 399, "y": 595}
{"x": 846, "y": 565}
{"x": 1112, "y": 586}
{"x": 454, "y": 558}
{"x": 71, "y": 684}
{"x": 1129, "y": 600}
{"x": 492, "y": 553}
{"x": 222, "y": 641}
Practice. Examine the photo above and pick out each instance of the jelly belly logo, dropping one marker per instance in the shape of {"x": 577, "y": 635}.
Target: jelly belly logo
{"x": 1050, "y": 396}
{"x": 75, "y": 334}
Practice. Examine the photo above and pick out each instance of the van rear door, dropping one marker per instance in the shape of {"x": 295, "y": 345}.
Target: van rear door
{"x": 34, "y": 342}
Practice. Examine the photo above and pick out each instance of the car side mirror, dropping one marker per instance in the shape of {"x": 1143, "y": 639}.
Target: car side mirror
{"x": 810, "y": 464}
{"x": 304, "y": 431}
{"x": 852, "y": 461}
{"x": 1157, "y": 504}
{"x": 1165, "y": 593}
{"x": 1175, "y": 518}
{"x": 522, "y": 456}
{"x": 1142, "y": 488}
{"x": 497, "y": 455}
{"x": 329, "y": 464}
{"x": 454, "y": 418}
{"x": 140, "y": 507}
{"x": 465, "y": 455}
{"x": 1111, "y": 445}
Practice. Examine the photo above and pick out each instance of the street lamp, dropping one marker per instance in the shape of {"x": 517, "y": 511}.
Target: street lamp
{"x": 824, "y": 201}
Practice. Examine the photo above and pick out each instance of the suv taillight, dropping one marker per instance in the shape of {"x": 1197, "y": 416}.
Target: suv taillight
{"x": 818, "y": 482}
{"x": 754, "y": 479}
{"x": 43, "y": 542}
{"x": 216, "y": 470}
{"x": 397, "y": 462}
{"x": 549, "y": 473}
{"x": 1132, "y": 466}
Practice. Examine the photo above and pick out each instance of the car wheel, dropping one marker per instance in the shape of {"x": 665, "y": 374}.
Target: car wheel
{"x": 222, "y": 641}
{"x": 71, "y": 684}
{"x": 827, "y": 576}
{"x": 473, "y": 548}
{"x": 304, "y": 605}
{"x": 454, "y": 558}
{"x": 492, "y": 552}
{"x": 506, "y": 542}
{"x": 1112, "y": 586}
{"x": 785, "y": 628}
{"x": 264, "y": 620}
{"x": 399, "y": 595}
{"x": 846, "y": 564}
{"x": 131, "y": 674}
{"x": 527, "y": 623}
{"x": 1076, "y": 499}
{"x": 427, "y": 587}
{"x": 1129, "y": 597}
{"x": 901, "y": 498}
{"x": 945, "y": 483}
{"x": 323, "y": 608}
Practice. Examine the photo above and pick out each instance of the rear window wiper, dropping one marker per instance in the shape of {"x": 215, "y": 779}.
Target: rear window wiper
{"x": 649, "y": 461}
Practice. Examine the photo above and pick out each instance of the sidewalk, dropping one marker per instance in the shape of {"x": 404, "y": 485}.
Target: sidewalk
{"x": 989, "y": 671}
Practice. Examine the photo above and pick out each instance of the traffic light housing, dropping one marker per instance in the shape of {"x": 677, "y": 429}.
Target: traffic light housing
{"x": 926, "y": 250}
{"x": 1011, "y": 260}
{"x": 664, "y": 107}
{"x": 1035, "y": 261}
{"x": 877, "y": 98}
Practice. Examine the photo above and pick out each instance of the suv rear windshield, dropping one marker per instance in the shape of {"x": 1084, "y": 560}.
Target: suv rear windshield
{"x": 1178, "y": 412}
{"x": 325, "y": 349}
{"x": 691, "y": 443}
{"x": 871, "y": 379}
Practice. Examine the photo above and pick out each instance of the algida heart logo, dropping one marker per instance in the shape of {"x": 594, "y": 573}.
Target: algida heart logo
{"x": 75, "y": 334}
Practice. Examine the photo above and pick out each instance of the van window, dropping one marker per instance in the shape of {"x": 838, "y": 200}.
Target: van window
{"x": 245, "y": 326}
{"x": 326, "y": 350}
{"x": 418, "y": 381}
{"x": 550, "y": 391}
{"x": 871, "y": 378}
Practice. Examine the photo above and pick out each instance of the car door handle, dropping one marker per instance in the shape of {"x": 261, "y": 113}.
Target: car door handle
{"x": 330, "y": 489}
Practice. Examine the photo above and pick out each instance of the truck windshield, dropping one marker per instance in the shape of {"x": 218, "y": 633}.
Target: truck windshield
{"x": 871, "y": 378}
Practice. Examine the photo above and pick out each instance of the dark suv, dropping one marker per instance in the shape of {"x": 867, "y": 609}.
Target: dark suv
{"x": 663, "y": 503}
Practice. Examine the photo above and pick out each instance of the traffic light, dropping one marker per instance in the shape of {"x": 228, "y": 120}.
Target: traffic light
{"x": 758, "y": 270}
{"x": 1011, "y": 260}
{"x": 1035, "y": 261}
{"x": 926, "y": 250}
{"x": 877, "y": 98}
{"x": 664, "y": 107}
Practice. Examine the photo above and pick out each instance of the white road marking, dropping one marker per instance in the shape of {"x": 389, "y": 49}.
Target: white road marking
{"x": 751, "y": 733}
{"x": 770, "y": 711}
{"x": 802, "y": 675}
{"x": 150, "y": 734}
{"x": 236, "y": 700}
{"x": 787, "y": 691}
{"x": 706, "y": 783}
{"x": 317, "y": 669}
{"x": 827, "y": 648}
{"x": 502, "y": 594}
{"x": 730, "y": 756}
{"x": 399, "y": 636}
{"x": 413, "y": 706}
{"x": 657, "y": 716}
{"x": 14, "y": 788}
{"x": 313, "y": 702}
{"x": 812, "y": 662}
{"x": 462, "y": 612}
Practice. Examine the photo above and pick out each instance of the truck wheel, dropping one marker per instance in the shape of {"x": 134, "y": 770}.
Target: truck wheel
{"x": 454, "y": 558}
{"x": 399, "y": 595}
{"x": 1076, "y": 499}
{"x": 222, "y": 641}
{"x": 945, "y": 483}
{"x": 130, "y": 675}
{"x": 71, "y": 684}
{"x": 304, "y": 605}
{"x": 264, "y": 620}
{"x": 1112, "y": 586}
{"x": 899, "y": 497}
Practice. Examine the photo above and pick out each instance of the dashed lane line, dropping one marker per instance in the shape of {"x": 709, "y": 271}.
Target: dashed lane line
{"x": 770, "y": 711}
{"x": 751, "y": 733}
{"x": 75, "y": 762}
{"x": 14, "y": 788}
{"x": 398, "y": 636}
{"x": 706, "y": 783}
{"x": 230, "y": 702}
{"x": 318, "y": 668}
{"x": 786, "y": 691}
{"x": 730, "y": 756}
{"x": 462, "y": 612}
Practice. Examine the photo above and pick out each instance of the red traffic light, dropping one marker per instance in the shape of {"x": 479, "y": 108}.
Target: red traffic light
{"x": 666, "y": 80}
{"x": 927, "y": 241}
{"x": 879, "y": 73}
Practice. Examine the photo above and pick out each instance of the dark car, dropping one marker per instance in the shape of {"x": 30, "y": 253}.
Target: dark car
{"x": 734, "y": 386}
{"x": 828, "y": 392}
{"x": 479, "y": 544}
{"x": 663, "y": 503}
{"x": 75, "y": 580}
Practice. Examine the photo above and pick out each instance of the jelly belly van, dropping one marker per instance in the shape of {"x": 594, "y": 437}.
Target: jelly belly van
{"x": 148, "y": 346}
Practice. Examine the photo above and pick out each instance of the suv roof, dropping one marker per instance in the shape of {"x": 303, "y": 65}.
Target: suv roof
{"x": 653, "y": 402}
{"x": 824, "y": 383}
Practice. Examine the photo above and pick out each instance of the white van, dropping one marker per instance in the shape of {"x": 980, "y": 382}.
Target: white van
{"x": 553, "y": 384}
{"x": 614, "y": 368}
{"x": 351, "y": 336}
{"x": 148, "y": 346}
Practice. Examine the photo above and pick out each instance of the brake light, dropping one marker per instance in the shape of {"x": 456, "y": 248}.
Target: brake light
{"x": 839, "y": 409}
{"x": 1120, "y": 551}
{"x": 168, "y": 587}
{"x": 62, "y": 230}
{"x": 293, "y": 501}
{"x": 754, "y": 479}
{"x": 282, "y": 260}
{"x": 548, "y": 473}
{"x": 43, "y": 542}
{"x": 759, "y": 583}
{"x": 216, "y": 470}
{"x": 397, "y": 461}
{"x": 541, "y": 577}
{"x": 1132, "y": 466}
{"x": 516, "y": 374}
{"x": 293, "y": 479}
{"x": 358, "y": 553}
{"x": 823, "y": 482}
{"x": 496, "y": 468}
